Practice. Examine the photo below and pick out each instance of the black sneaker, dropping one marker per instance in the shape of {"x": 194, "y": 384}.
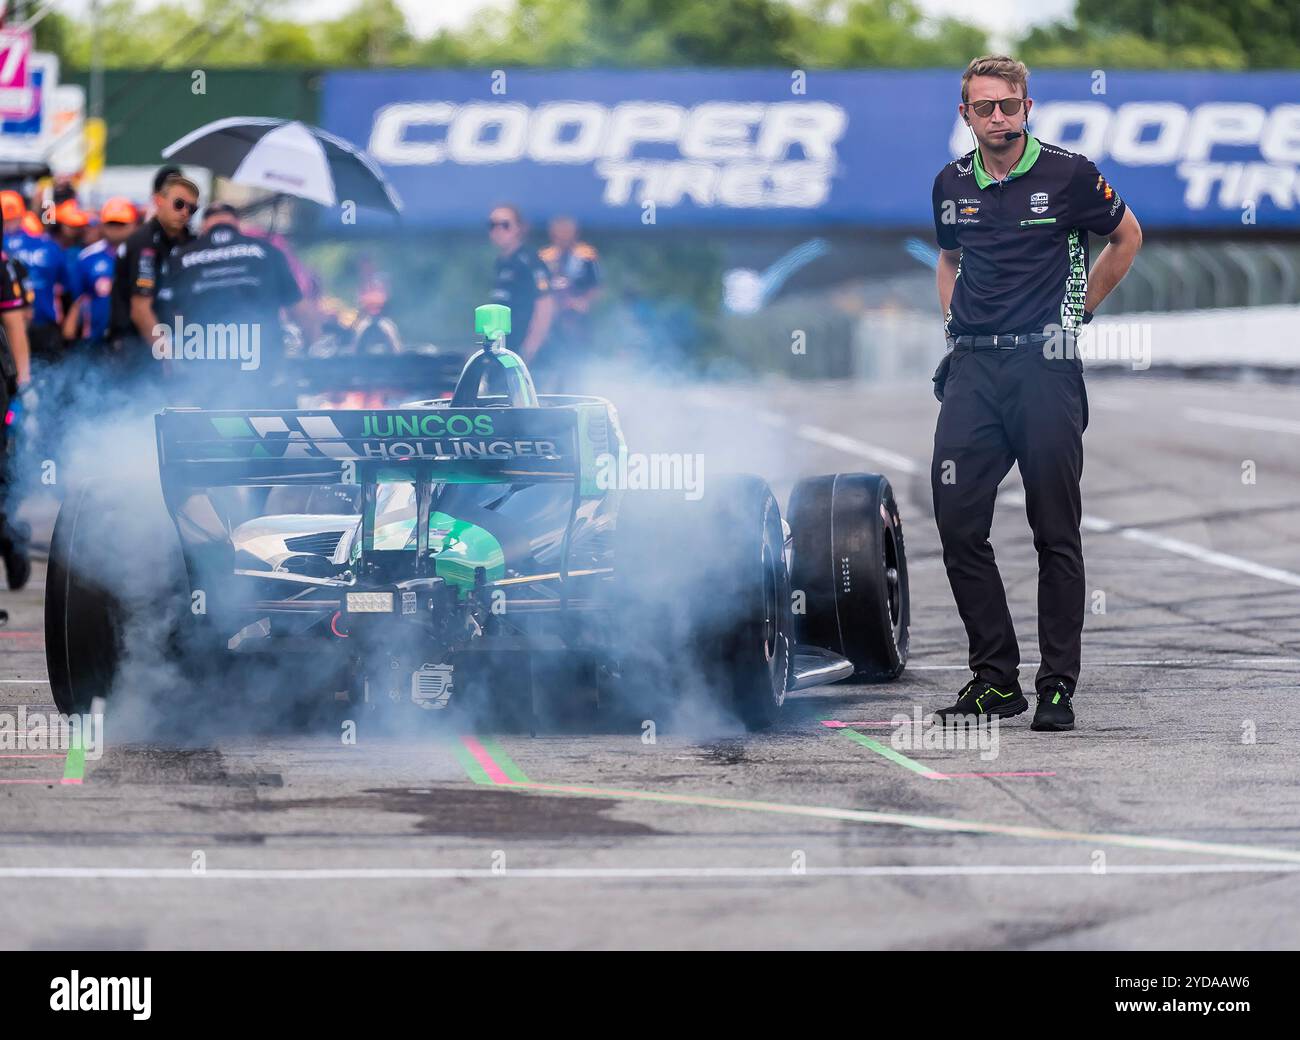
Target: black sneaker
{"x": 1055, "y": 712}
{"x": 978, "y": 697}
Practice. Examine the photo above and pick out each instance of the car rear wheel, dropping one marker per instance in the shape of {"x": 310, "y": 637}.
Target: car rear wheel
{"x": 702, "y": 602}
{"x": 115, "y": 588}
{"x": 850, "y": 565}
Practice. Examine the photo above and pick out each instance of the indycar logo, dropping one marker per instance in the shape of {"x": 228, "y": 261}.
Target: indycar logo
{"x": 1038, "y": 202}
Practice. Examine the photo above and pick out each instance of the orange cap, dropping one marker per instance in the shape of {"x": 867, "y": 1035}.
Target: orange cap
{"x": 69, "y": 214}
{"x": 117, "y": 210}
{"x": 12, "y": 205}
{"x": 32, "y": 224}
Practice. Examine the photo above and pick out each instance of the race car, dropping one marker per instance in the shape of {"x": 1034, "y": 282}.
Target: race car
{"x": 474, "y": 553}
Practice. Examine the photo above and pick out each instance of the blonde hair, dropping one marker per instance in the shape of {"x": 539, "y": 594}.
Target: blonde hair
{"x": 1013, "y": 72}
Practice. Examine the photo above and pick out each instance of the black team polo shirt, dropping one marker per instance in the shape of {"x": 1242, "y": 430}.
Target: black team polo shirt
{"x": 1023, "y": 240}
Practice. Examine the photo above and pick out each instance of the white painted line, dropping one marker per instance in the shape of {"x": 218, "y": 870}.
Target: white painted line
{"x": 1243, "y": 421}
{"x": 1216, "y": 559}
{"x": 852, "y": 446}
{"x": 622, "y": 873}
{"x": 926, "y": 823}
{"x": 1089, "y": 523}
{"x": 25, "y": 682}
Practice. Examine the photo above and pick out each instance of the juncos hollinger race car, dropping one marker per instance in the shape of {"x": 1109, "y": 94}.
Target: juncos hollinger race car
{"x": 465, "y": 553}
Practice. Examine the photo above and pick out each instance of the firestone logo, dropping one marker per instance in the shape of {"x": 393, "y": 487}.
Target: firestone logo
{"x": 714, "y": 154}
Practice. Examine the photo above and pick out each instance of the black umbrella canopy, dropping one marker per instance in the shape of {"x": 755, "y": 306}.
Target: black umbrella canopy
{"x": 289, "y": 157}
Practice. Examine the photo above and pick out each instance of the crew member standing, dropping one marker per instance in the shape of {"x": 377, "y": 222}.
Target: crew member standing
{"x": 46, "y": 266}
{"x": 1012, "y": 218}
{"x": 91, "y": 276}
{"x": 135, "y": 276}
{"x": 522, "y": 282}
{"x": 230, "y": 289}
{"x": 575, "y": 281}
{"x": 16, "y": 394}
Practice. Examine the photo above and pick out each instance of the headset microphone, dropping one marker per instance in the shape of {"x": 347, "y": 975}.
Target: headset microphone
{"x": 1011, "y": 135}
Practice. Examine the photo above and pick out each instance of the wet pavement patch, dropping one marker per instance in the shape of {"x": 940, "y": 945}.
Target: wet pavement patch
{"x": 479, "y": 812}
{"x": 177, "y": 766}
{"x": 725, "y": 752}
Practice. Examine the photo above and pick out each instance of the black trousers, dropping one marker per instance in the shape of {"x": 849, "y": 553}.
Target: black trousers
{"x": 1000, "y": 407}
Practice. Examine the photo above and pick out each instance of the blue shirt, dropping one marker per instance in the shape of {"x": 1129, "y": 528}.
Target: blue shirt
{"x": 91, "y": 278}
{"x": 46, "y": 269}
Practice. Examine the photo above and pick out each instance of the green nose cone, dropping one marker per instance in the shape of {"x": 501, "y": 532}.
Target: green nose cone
{"x": 492, "y": 320}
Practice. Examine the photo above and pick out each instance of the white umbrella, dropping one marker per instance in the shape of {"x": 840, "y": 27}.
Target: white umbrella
{"x": 291, "y": 158}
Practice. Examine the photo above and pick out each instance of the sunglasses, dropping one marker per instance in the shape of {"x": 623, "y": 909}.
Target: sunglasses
{"x": 504, "y": 225}
{"x": 180, "y": 205}
{"x": 1009, "y": 105}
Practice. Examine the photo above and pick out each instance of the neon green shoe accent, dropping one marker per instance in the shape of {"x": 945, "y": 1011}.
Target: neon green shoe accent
{"x": 979, "y": 701}
{"x": 1056, "y": 698}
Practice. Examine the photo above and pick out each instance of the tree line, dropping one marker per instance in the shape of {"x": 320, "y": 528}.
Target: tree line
{"x": 1105, "y": 34}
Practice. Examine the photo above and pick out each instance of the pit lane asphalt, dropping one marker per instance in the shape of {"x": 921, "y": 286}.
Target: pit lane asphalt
{"x": 1170, "y": 818}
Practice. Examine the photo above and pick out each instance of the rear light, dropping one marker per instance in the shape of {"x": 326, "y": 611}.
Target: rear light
{"x": 370, "y": 602}
{"x": 9, "y": 417}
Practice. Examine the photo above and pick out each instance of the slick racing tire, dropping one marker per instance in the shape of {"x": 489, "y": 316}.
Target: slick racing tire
{"x": 115, "y": 579}
{"x": 849, "y": 562}
{"x": 701, "y": 607}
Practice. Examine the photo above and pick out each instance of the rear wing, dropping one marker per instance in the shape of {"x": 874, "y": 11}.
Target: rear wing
{"x": 200, "y": 449}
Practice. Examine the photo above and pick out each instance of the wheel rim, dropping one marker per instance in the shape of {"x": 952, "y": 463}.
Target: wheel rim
{"x": 770, "y": 610}
{"x": 893, "y": 584}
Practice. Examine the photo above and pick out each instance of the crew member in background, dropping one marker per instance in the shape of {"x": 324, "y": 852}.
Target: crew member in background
{"x": 522, "y": 283}
{"x": 46, "y": 269}
{"x": 94, "y": 231}
{"x": 91, "y": 275}
{"x": 159, "y": 179}
{"x": 13, "y": 211}
{"x": 226, "y": 277}
{"x": 375, "y": 332}
{"x": 70, "y": 223}
{"x": 575, "y": 282}
{"x": 135, "y": 273}
{"x": 16, "y": 394}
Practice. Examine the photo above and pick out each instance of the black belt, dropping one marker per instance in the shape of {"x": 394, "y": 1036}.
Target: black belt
{"x": 1002, "y": 342}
